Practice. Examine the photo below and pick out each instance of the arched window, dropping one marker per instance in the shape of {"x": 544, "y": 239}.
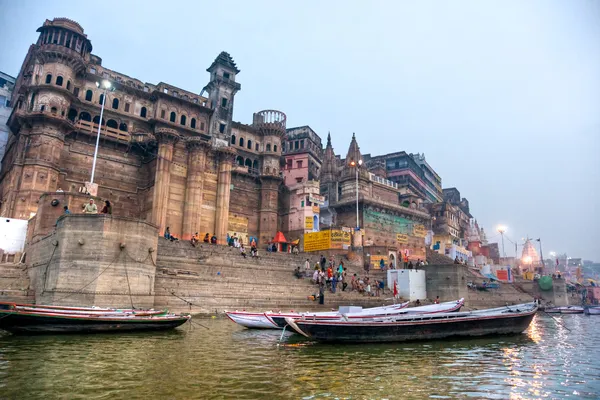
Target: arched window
{"x": 268, "y": 147}
{"x": 115, "y": 105}
{"x": 239, "y": 160}
{"x": 275, "y": 148}
{"x": 59, "y": 80}
{"x": 101, "y": 99}
{"x": 232, "y": 139}
{"x": 255, "y": 165}
{"x": 193, "y": 123}
{"x": 96, "y": 120}
{"x": 182, "y": 120}
{"x": 85, "y": 116}
{"x": 53, "y": 110}
{"x": 72, "y": 115}
{"x": 68, "y": 85}
{"x": 49, "y": 78}
{"x": 173, "y": 116}
{"x": 88, "y": 95}
{"x": 143, "y": 112}
{"x": 256, "y": 146}
{"x": 249, "y": 144}
{"x": 123, "y": 127}
{"x": 248, "y": 163}
{"x": 241, "y": 142}
{"x": 112, "y": 124}
{"x": 42, "y": 108}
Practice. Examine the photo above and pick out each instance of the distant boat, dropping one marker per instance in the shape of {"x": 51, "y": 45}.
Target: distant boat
{"x": 565, "y": 310}
{"x": 19, "y": 321}
{"x": 592, "y": 310}
{"x": 497, "y": 321}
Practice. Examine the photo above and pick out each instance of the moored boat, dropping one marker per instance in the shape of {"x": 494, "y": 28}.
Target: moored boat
{"x": 29, "y": 322}
{"x": 592, "y": 310}
{"x": 497, "y": 321}
{"x": 80, "y": 310}
{"x": 565, "y": 310}
{"x": 379, "y": 312}
{"x": 262, "y": 321}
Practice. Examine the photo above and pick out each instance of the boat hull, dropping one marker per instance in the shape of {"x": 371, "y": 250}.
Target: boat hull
{"x": 22, "y": 323}
{"x": 408, "y": 330}
{"x": 251, "y": 320}
{"x": 592, "y": 311}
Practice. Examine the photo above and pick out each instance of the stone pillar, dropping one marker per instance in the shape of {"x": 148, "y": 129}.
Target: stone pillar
{"x": 226, "y": 160}
{"x": 166, "y": 140}
{"x": 193, "y": 190}
{"x": 269, "y": 198}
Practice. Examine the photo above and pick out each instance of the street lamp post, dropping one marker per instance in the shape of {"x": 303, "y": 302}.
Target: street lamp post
{"x": 502, "y": 229}
{"x": 542, "y": 255}
{"x": 357, "y": 165}
{"x": 106, "y": 86}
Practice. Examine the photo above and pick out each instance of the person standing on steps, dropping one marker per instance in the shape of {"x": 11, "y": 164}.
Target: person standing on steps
{"x": 344, "y": 280}
{"x": 322, "y": 292}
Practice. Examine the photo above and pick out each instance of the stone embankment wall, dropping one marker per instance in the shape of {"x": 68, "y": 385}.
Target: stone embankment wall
{"x": 14, "y": 283}
{"x": 217, "y": 278}
{"x": 94, "y": 260}
{"x": 555, "y": 297}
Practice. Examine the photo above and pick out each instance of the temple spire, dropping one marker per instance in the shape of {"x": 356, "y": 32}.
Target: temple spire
{"x": 354, "y": 154}
{"x": 329, "y": 139}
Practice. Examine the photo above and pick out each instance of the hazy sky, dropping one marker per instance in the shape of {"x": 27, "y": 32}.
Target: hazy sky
{"x": 503, "y": 97}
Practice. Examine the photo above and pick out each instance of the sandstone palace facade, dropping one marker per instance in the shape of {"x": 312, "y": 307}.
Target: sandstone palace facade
{"x": 167, "y": 156}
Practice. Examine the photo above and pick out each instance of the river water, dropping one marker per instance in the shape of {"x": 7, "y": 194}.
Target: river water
{"x": 552, "y": 360}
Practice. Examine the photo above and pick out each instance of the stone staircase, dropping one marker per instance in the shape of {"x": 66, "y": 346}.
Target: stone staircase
{"x": 507, "y": 293}
{"x": 216, "y": 278}
{"x": 14, "y": 283}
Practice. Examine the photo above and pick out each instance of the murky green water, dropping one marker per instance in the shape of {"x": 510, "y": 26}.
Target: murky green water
{"x": 229, "y": 362}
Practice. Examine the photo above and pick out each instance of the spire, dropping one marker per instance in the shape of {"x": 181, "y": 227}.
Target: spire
{"x": 225, "y": 60}
{"x": 329, "y": 139}
{"x": 353, "y": 151}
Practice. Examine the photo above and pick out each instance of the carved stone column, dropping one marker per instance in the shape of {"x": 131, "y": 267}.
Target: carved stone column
{"x": 166, "y": 140}
{"x": 192, "y": 211}
{"x": 226, "y": 160}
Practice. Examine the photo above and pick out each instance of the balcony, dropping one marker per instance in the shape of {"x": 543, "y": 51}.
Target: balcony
{"x": 92, "y": 128}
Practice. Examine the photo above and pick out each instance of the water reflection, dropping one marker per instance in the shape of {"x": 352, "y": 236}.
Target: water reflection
{"x": 229, "y": 362}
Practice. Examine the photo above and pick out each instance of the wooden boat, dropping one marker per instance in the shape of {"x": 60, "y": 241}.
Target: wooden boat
{"x": 19, "y": 321}
{"x": 81, "y": 310}
{"x": 565, "y": 310}
{"x": 261, "y": 321}
{"x": 497, "y": 321}
{"x": 450, "y": 306}
{"x": 592, "y": 310}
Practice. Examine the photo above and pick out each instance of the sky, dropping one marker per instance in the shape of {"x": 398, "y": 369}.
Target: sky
{"x": 503, "y": 97}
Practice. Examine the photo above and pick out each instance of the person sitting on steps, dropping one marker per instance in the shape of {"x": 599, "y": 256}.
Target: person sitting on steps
{"x": 206, "y": 238}
{"x": 194, "y": 239}
{"x": 213, "y": 239}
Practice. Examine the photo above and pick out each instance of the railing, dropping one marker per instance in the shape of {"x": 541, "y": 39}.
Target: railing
{"x": 91, "y": 127}
{"x": 382, "y": 181}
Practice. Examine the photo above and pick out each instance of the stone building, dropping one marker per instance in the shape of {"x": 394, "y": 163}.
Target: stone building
{"x": 390, "y": 226}
{"x": 7, "y": 84}
{"x": 301, "y": 163}
{"x": 166, "y": 155}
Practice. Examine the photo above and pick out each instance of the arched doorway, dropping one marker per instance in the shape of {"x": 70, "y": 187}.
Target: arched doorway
{"x": 315, "y": 223}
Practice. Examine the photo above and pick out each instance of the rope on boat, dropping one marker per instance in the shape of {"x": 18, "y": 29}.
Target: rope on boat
{"x": 128, "y": 285}
{"x": 282, "y": 332}
{"x": 556, "y": 321}
{"x": 199, "y": 324}
{"x": 182, "y": 299}
{"x": 79, "y": 291}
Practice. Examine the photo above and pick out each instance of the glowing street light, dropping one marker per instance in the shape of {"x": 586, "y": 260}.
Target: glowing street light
{"x": 502, "y": 229}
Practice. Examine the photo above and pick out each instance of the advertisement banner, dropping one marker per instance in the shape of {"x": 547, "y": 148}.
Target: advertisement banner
{"x": 340, "y": 239}
{"x": 401, "y": 238}
{"x": 316, "y": 209}
{"x": 419, "y": 231}
{"x": 316, "y": 199}
{"x": 376, "y": 261}
{"x": 308, "y": 223}
{"x": 317, "y": 241}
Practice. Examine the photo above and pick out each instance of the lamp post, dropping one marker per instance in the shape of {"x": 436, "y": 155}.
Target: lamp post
{"x": 502, "y": 229}
{"x": 542, "y": 255}
{"x": 106, "y": 86}
{"x": 357, "y": 165}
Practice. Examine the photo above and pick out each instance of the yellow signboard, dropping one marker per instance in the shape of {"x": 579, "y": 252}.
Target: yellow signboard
{"x": 308, "y": 223}
{"x": 376, "y": 261}
{"x": 401, "y": 238}
{"x": 237, "y": 223}
{"x": 317, "y": 241}
{"x": 419, "y": 231}
{"x": 340, "y": 239}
